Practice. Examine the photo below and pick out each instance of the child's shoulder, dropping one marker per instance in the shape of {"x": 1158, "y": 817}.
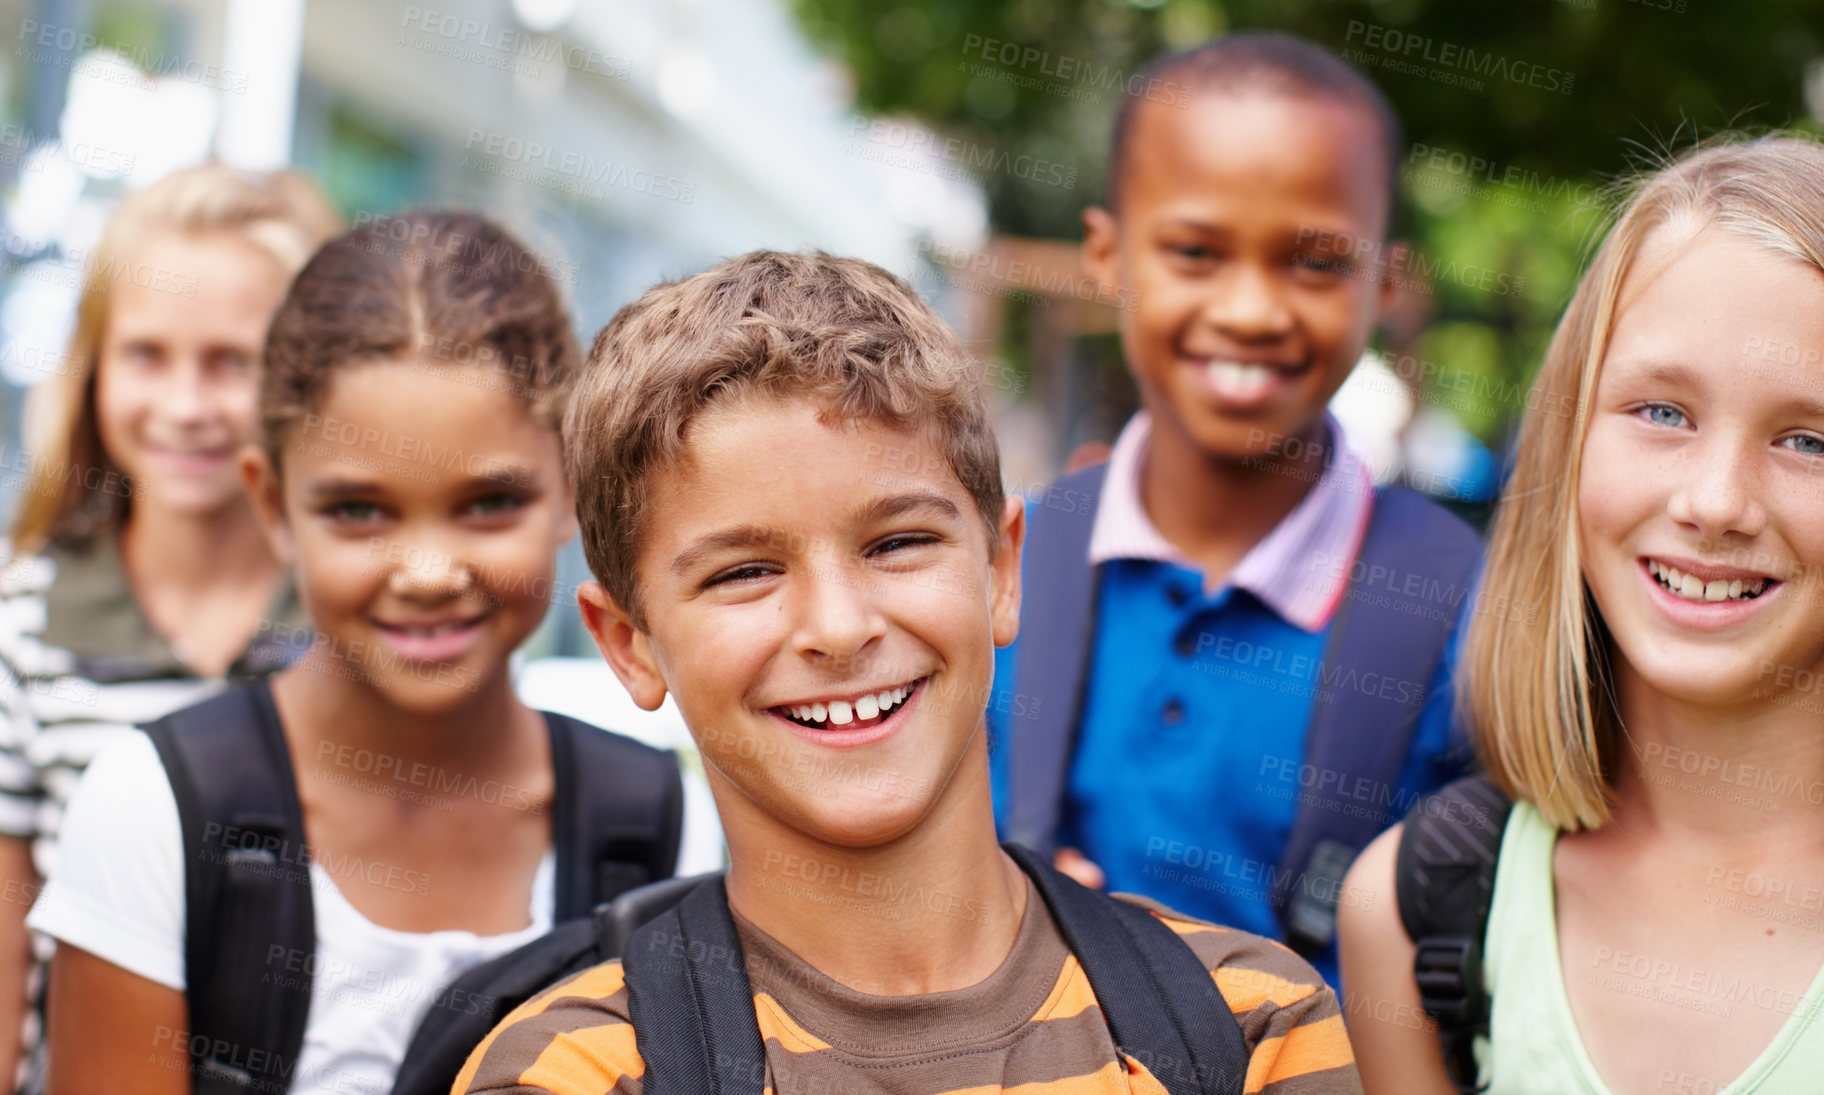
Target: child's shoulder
{"x": 575, "y": 1037}
{"x": 1251, "y": 970}
{"x": 1290, "y": 1020}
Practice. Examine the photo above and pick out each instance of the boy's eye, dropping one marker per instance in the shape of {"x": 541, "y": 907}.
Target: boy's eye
{"x": 1806, "y": 443}
{"x": 352, "y": 512}
{"x": 901, "y": 542}
{"x": 1318, "y": 266}
{"x": 746, "y": 572}
{"x": 1190, "y": 252}
{"x": 1663, "y": 414}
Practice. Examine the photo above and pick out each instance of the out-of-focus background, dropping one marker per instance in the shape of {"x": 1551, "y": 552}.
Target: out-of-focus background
{"x": 953, "y": 141}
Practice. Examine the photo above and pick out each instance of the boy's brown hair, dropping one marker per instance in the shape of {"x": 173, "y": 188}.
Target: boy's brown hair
{"x": 840, "y": 332}
{"x": 429, "y": 287}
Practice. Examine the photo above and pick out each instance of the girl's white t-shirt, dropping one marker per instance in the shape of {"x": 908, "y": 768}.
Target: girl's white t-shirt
{"x": 119, "y": 894}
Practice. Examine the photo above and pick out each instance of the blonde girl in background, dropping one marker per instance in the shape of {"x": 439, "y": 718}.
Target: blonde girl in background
{"x": 1655, "y": 920}
{"x": 137, "y": 578}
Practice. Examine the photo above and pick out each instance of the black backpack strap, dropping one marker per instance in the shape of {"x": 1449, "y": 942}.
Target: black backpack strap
{"x": 1162, "y": 1006}
{"x": 691, "y": 1004}
{"x": 1381, "y": 657}
{"x": 1444, "y": 880}
{"x": 616, "y": 814}
{"x": 1057, "y": 622}
{"x": 246, "y": 889}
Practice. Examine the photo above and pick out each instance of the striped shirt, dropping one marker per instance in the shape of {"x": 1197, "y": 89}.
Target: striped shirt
{"x": 1032, "y": 1026}
{"x": 80, "y": 666}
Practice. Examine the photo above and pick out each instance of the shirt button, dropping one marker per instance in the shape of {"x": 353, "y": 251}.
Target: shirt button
{"x": 1173, "y": 713}
{"x": 1186, "y": 644}
{"x": 1178, "y": 595}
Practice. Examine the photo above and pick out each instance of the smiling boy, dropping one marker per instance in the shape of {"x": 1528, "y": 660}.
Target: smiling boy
{"x": 790, "y": 495}
{"x": 1233, "y": 685}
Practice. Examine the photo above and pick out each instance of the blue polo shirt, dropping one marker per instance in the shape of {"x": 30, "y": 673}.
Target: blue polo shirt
{"x": 1190, "y": 752}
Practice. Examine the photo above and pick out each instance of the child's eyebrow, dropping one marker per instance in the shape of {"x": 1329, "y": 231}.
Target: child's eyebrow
{"x": 742, "y": 536}
{"x": 747, "y": 536}
{"x": 898, "y": 505}
{"x": 507, "y": 475}
{"x": 341, "y": 488}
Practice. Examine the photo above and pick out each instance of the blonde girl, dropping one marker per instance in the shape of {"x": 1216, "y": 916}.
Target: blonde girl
{"x": 137, "y": 579}
{"x": 1655, "y": 919}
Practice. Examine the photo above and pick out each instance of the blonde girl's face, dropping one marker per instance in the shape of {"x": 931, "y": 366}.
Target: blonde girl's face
{"x": 424, "y": 507}
{"x": 176, "y": 390}
{"x": 1701, "y": 502}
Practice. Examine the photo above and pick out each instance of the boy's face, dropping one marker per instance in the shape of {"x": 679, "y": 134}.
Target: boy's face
{"x": 789, "y": 568}
{"x": 1248, "y": 238}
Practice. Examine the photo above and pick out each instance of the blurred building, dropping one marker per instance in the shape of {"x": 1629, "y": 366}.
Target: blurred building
{"x": 626, "y": 141}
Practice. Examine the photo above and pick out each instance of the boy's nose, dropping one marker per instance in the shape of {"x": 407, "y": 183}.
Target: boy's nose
{"x": 1248, "y": 304}
{"x": 834, "y": 614}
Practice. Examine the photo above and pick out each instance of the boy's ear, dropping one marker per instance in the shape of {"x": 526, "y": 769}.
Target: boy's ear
{"x": 1394, "y": 256}
{"x": 267, "y": 494}
{"x": 1005, "y": 607}
{"x": 627, "y": 649}
{"x": 1101, "y": 235}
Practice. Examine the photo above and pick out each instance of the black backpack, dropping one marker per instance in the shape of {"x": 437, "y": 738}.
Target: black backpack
{"x": 1363, "y": 735}
{"x": 474, "y": 1003}
{"x": 616, "y": 817}
{"x": 1444, "y": 881}
{"x": 693, "y": 1009}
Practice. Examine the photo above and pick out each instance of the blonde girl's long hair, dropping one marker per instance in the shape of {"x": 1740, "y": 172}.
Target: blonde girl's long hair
{"x": 1535, "y": 683}
{"x": 282, "y": 213}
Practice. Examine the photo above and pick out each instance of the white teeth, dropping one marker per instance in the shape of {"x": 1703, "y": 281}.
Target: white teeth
{"x": 1236, "y": 380}
{"x": 843, "y": 712}
{"x": 1692, "y": 588}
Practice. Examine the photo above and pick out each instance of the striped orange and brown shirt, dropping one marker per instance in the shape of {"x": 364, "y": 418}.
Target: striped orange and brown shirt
{"x": 1032, "y": 1027}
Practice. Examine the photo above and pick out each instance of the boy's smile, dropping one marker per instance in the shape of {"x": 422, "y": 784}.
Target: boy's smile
{"x": 1249, "y": 236}
{"x": 819, "y": 598}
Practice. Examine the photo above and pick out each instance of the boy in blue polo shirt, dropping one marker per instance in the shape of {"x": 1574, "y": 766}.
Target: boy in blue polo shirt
{"x": 1234, "y": 669}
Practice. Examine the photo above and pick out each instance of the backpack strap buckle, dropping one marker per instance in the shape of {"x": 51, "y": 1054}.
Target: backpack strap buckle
{"x": 1446, "y": 967}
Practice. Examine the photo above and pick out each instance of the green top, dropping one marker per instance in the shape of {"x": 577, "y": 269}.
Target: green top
{"x": 1535, "y": 1047}
{"x": 90, "y": 610}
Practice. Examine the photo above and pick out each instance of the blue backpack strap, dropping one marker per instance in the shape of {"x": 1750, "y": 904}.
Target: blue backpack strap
{"x": 246, "y": 890}
{"x": 691, "y": 1003}
{"x": 1057, "y": 621}
{"x": 616, "y": 814}
{"x": 1162, "y": 1007}
{"x": 1416, "y": 555}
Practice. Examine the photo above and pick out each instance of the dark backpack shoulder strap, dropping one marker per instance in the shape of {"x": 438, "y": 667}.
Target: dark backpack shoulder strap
{"x": 1444, "y": 881}
{"x": 691, "y": 1003}
{"x": 617, "y": 814}
{"x": 465, "y": 1010}
{"x": 247, "y": 894}
{"x": 1057, "y": 622}
{"x": 1406, "y": 586}
{"x": 1139, "y": 968}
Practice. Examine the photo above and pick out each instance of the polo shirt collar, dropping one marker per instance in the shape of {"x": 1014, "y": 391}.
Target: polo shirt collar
{"x": 1294, "y": 571}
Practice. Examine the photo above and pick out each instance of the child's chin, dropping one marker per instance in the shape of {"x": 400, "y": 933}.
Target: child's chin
{"x": 863, "y": 821}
